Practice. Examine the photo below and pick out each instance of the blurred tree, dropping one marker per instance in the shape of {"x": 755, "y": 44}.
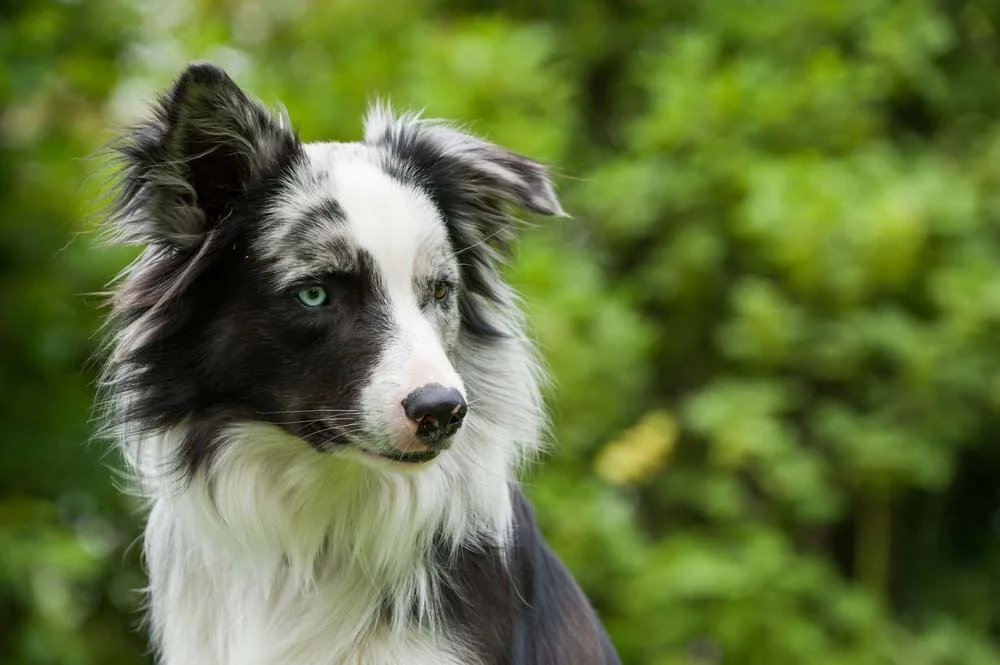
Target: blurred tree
{"x": 770, "y": 321}
{"x": 64, "y": 594}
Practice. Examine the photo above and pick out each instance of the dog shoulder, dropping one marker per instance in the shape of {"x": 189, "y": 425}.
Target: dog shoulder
{"x": 522, "y": 607}
{"x": 559, "y": 626}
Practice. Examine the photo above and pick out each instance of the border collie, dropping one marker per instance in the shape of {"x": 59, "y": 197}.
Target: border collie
{"x": 322, "y": 386}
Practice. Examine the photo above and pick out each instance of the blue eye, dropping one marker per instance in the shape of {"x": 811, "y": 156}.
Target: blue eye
{"x": 314, "y": 296}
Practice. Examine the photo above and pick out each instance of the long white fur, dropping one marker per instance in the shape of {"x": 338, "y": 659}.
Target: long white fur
{"x": 282, "y": 555}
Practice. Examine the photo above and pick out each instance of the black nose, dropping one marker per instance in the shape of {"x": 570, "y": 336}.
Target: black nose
{"x": 437, "y": 411}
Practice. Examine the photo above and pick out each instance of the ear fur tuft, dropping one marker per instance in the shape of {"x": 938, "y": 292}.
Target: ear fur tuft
{"x": 206, "y": 143}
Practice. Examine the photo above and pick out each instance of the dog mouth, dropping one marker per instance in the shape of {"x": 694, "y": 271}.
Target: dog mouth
{"x": 410, "y": 457}
{"x": 322, "y": 438}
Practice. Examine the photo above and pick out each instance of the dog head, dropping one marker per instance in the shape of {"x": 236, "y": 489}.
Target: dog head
{"x": 346, "y": 293}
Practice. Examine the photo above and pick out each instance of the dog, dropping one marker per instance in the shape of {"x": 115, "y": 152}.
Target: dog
{"x": 321, "y": 386}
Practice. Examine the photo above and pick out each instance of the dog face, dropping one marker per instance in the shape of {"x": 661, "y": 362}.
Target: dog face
{"x": 330, "y": 289}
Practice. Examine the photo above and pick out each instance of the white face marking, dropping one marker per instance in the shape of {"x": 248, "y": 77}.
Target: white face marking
{"x": 396, "y": 224}
{"x": 402, "y": 232}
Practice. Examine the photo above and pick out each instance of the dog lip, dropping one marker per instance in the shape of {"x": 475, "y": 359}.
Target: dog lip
{"x": 411, "y": 458}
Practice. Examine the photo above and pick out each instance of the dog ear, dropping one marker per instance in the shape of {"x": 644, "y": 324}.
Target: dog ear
{"x": 486, "y": 170}
{"x": 206, "y": 143}
{"x": 459, "y": 169}
{"x": 473, "y": 183}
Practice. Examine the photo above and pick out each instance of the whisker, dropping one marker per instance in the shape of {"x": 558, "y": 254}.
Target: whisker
{"x": 307, "y": 423}
{"x": 480, "y": 242}
{"x": 334, "y": 439}
{"x": 332, "y": 417}
{"x": 344, "y": 430}
{"x": 356, "y": 411}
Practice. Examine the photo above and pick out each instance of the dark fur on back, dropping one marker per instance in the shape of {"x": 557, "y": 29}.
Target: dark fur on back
{"x": 528, "y": 609}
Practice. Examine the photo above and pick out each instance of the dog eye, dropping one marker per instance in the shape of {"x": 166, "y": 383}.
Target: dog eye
{"x": 314, "y": 296}
{"x": 441, "y": 290}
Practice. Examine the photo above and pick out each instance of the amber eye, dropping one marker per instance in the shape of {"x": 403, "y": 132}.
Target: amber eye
{"x": 441, "y": 290}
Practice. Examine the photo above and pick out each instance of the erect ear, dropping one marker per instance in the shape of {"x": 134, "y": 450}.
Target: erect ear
{"x": 184, "y": 169}
{"x": 459, "y": 168}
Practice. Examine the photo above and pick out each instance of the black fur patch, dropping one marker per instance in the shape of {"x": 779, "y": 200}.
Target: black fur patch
{"x": 209, "y": 340}
{"x": 236, "y": 352}
{"x": 527, "y": 612}
{"x": 328, "y": 209}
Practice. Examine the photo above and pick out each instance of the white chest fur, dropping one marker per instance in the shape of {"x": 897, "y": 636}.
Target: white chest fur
{"x": 206, "y": 611}
{"x": 280, "y": 555}
{"x": 288, "y": 557}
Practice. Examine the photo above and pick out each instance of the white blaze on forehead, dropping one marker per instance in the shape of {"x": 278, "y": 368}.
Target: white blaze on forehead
{"x": 395, "y": 223}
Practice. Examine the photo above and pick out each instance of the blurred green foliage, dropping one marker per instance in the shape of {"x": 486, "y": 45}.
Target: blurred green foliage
{"x": 772, "y": 321}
